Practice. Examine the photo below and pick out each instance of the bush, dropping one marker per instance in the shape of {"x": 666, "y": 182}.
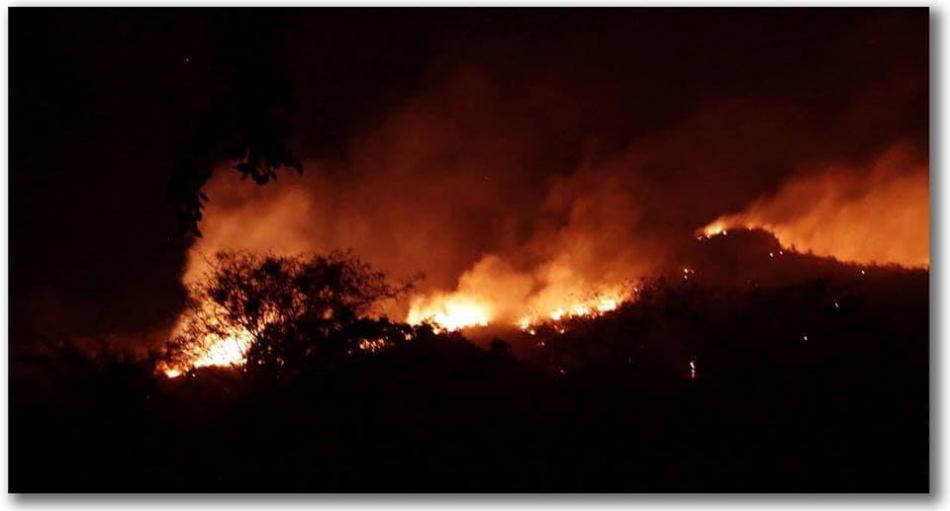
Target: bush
{"x": 286, "y": 313}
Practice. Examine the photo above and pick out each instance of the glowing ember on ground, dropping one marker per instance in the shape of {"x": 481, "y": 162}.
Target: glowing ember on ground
{"x": 372, "y": 345}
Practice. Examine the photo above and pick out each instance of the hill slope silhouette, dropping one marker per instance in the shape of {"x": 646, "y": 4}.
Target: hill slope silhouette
{"x": 745, "y": 372}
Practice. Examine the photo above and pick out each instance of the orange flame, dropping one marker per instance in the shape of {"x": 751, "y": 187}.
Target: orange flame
{"x": 448, "y": 312}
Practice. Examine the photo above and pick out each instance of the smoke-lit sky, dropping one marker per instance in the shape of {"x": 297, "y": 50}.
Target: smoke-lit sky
{"x": 519, "y": 152}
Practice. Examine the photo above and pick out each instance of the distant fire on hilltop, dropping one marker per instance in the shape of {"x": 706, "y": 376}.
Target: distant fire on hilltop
{"x": 457, "y": 311}
{"x": 505, "y": 241}
{"x": 881, "y": 217}
{"x": 830, "y": 213}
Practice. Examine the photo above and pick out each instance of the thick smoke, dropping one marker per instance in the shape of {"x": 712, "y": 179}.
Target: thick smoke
{"x": 877, "y": 214}
{"x": 508, "y": 188}
{"x": 461, "y": 204}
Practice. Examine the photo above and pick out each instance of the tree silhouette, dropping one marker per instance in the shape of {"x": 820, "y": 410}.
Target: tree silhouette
{"x": 294, "y": 312}
{"x": 244, "y": 119}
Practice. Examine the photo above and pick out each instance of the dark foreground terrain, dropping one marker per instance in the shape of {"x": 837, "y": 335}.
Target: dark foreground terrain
{"x": 808, "y": 375}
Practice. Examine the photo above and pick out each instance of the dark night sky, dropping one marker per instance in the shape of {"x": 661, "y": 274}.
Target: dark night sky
{"x": 104, "y": 103}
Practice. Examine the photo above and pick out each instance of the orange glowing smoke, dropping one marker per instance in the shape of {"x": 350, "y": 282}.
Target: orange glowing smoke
{"x": 881, "y": 215}
{"x": 444, "y": 186}
{"x": 463, "y": 184}
{"x": 494, "y": 292}
{"x": 485, "y": 293}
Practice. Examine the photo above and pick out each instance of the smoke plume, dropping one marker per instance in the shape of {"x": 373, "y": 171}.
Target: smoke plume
{"x": 875, "y": 215}
{"x": 511, "y": 191}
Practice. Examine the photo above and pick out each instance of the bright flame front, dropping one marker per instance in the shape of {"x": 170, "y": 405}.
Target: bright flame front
{"x": 591, "y": 308}
{"x": 214, "y": 351}
{"x": 449, "y": 313}
{"x": 458, "y": 311}
{"x": 230, "y": 350}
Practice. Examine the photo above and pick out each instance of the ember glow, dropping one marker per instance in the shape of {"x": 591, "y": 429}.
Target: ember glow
{"x": 373, "y": 345}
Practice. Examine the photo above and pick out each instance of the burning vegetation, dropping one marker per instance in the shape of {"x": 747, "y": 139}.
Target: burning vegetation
{"x": 282, "y": 313}
{"x": 545, "y": 250}
{"x": 248, "y": 311}
{"x": 873, "y": 215}
{"x": 242, "y": 303}
{"x": 710, "y": 362}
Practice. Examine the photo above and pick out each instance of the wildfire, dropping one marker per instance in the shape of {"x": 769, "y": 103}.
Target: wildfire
{"x": 716, "y": 228}
{"x": 212, "y": 341}
{"x": 225, "y": 350}
{"x": 453, "y": 312}
{"x": 591, "y": 308}
{"x": 606, "y": 305}
{"x": 449, "y": 313}
{"x": 876, "y": 213}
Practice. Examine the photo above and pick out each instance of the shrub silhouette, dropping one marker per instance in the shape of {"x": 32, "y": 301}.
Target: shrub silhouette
{"x": 603, "y": 404}
{"x": 294, "y": 312}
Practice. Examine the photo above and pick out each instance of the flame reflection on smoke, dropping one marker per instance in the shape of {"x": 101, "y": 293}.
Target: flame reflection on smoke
{"x": 877, "y": 216}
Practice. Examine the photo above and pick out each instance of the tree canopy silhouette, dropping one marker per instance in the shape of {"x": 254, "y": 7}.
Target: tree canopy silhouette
{"x": 293, "y": 311}
{"x": 244, "y": 120}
